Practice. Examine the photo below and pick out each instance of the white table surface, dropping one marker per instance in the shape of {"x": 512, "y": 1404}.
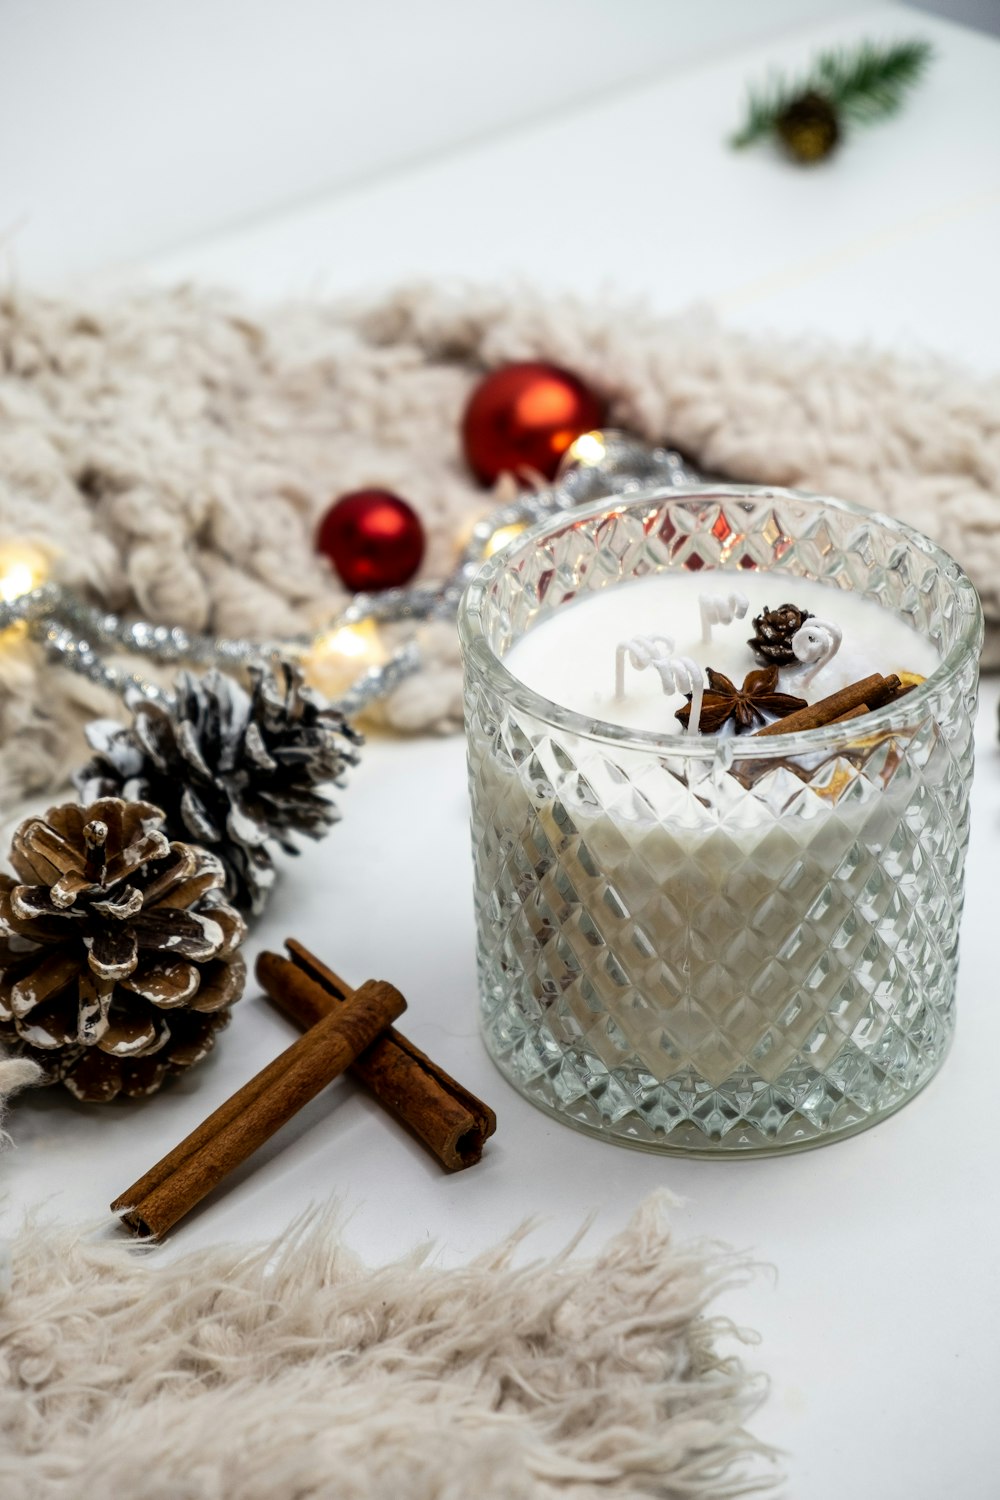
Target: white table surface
{"x": 879, "y": 1321}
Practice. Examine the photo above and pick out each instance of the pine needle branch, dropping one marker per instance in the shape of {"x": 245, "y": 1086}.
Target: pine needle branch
{"x": 871, "y": 82}
{"x": 763, "y": 107}
{"x": 864, "y": 83}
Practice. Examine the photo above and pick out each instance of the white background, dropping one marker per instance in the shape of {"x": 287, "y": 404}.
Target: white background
{"x": 119, "y": 139}
{"x": 130, "y": 125}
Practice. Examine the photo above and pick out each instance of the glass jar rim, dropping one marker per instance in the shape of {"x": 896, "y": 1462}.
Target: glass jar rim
{"x": 905, "y": 712}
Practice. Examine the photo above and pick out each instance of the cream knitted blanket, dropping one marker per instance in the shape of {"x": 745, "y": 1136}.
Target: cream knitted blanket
{"x": 175, "y": 450}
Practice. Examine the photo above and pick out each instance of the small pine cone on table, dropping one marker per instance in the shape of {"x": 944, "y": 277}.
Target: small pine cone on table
{"x": 118, "y": 953}
{"x": 232, "y": 770}
{"x": 809, "y": 127}
{"x": 773, "y": 629}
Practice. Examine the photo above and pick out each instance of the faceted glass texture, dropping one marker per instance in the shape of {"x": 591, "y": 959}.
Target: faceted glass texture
{"x": 719, "y": 945}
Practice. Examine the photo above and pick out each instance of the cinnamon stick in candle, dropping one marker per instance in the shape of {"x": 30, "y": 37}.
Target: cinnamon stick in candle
{"x": 162, "y": 1197}
{"x": 853, "y": 713}
{"x": 452, "y": 1123}
{"x": 874, "y": 691}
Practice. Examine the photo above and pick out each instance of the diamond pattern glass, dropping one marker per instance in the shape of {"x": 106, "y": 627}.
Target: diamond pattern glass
{"x": 731, "y": 945}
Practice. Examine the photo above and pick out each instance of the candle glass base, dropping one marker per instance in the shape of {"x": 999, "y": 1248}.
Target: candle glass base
{"x": 719, "y": 946}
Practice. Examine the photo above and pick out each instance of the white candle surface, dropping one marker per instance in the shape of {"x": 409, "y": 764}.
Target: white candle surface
{"x": 733, "y": 922}
{"x": 570, "y": 657}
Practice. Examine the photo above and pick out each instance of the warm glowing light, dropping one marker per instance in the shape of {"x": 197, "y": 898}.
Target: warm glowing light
{"x": 22, "y": 568}
{"x": 501, "y": 537}
{"x": 15, "y": 582}
{"x": 352, "y": 641}
{"x": 338, "y": 657}
{"x": 588, "y": 449}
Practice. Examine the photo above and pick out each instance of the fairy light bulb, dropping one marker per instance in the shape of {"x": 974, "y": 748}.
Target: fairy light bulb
{"x": 586, "y": 451}
{"x": 478, "y": 535}
{"x": 338, "y": 657}
{"x": 22, "y": 568}
{"x": 502, "y": 536}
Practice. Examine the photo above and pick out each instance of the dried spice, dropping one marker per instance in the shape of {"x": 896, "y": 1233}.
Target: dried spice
{"x": 118, "y": 954}
{"x": 771, "y": 642}
{"x": 452, "y": 1123}
{"x": 235, "y": 1130}
{"x": 871, "y": 692}
{"x": 749, "y": 706}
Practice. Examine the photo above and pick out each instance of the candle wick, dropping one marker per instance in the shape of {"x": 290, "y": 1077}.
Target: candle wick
{"x": 642, "y": 651}
{"x": 695, "y": 685}
{"x": 814, "y": 645}
{"x": 677, "y": 674}
{"x": 720, "y": 609}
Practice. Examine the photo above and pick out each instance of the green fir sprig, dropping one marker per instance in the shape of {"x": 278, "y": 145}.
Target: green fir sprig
{"x": 861, "y": 84}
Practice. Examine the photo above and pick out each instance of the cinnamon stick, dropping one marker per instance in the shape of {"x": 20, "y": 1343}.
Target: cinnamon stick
{"x": 162, "y": 1197}
{"x": 451, "y": 1122}
{"x": 874, "y": 691}
{"x": 887, "y": 691}
{"x": 853, "y": 713}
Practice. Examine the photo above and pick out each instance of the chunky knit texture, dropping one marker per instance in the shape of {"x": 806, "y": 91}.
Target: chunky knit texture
{"x": 176, "y": 450}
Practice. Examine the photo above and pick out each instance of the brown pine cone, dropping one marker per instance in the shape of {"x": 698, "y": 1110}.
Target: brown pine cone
{"x": 771, "y": 642}
{"x": 808, "y": 128}
{"x": 118, "y": 954}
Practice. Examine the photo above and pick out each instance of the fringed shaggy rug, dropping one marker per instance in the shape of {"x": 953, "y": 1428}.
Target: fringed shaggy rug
{"x": 290, "y": 1370}
{"x": 15, "y": 1073}
{"x": 175, "y": 450}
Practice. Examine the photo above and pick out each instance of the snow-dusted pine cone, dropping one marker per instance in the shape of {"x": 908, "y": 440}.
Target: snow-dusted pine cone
{"x": 232, "y": 770}
{"x": 118, "y": 953}
{"x": 771, "y": 641}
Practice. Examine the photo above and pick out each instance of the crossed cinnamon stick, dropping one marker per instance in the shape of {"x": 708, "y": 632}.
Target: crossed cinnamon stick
{"x": 347, "y": 1029}
{"x": 849, "y": 703}
{"x": 452, "y": 1123}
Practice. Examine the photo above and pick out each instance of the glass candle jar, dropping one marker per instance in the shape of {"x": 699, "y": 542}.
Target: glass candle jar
{"x": 707, "y": 944}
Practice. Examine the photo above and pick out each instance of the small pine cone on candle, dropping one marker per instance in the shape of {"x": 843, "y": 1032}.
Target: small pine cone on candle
{"x": 771, "y": 642}
{"x": 233, "y": 770}
{"x": 118, "y": 954}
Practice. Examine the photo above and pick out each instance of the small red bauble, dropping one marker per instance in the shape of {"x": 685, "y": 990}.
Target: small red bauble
{"x": 525, "y": 416}
{"x": 373, "y": 538}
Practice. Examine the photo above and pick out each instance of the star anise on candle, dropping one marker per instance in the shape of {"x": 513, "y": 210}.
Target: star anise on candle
{"x": 749, "y": 706}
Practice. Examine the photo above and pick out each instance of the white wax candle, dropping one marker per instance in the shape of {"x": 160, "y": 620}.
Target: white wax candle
{"x": 570, "y": 658}
{"x": 734, "y": 924}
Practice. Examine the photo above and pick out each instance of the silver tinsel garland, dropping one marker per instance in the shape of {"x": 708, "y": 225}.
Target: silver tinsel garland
{"x": 77, "y": 634}
{"x": 244, "y": 771}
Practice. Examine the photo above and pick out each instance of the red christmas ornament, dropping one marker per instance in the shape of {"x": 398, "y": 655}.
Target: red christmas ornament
{"x": 525, "y": 416}
{"x": 373, "y": 538}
